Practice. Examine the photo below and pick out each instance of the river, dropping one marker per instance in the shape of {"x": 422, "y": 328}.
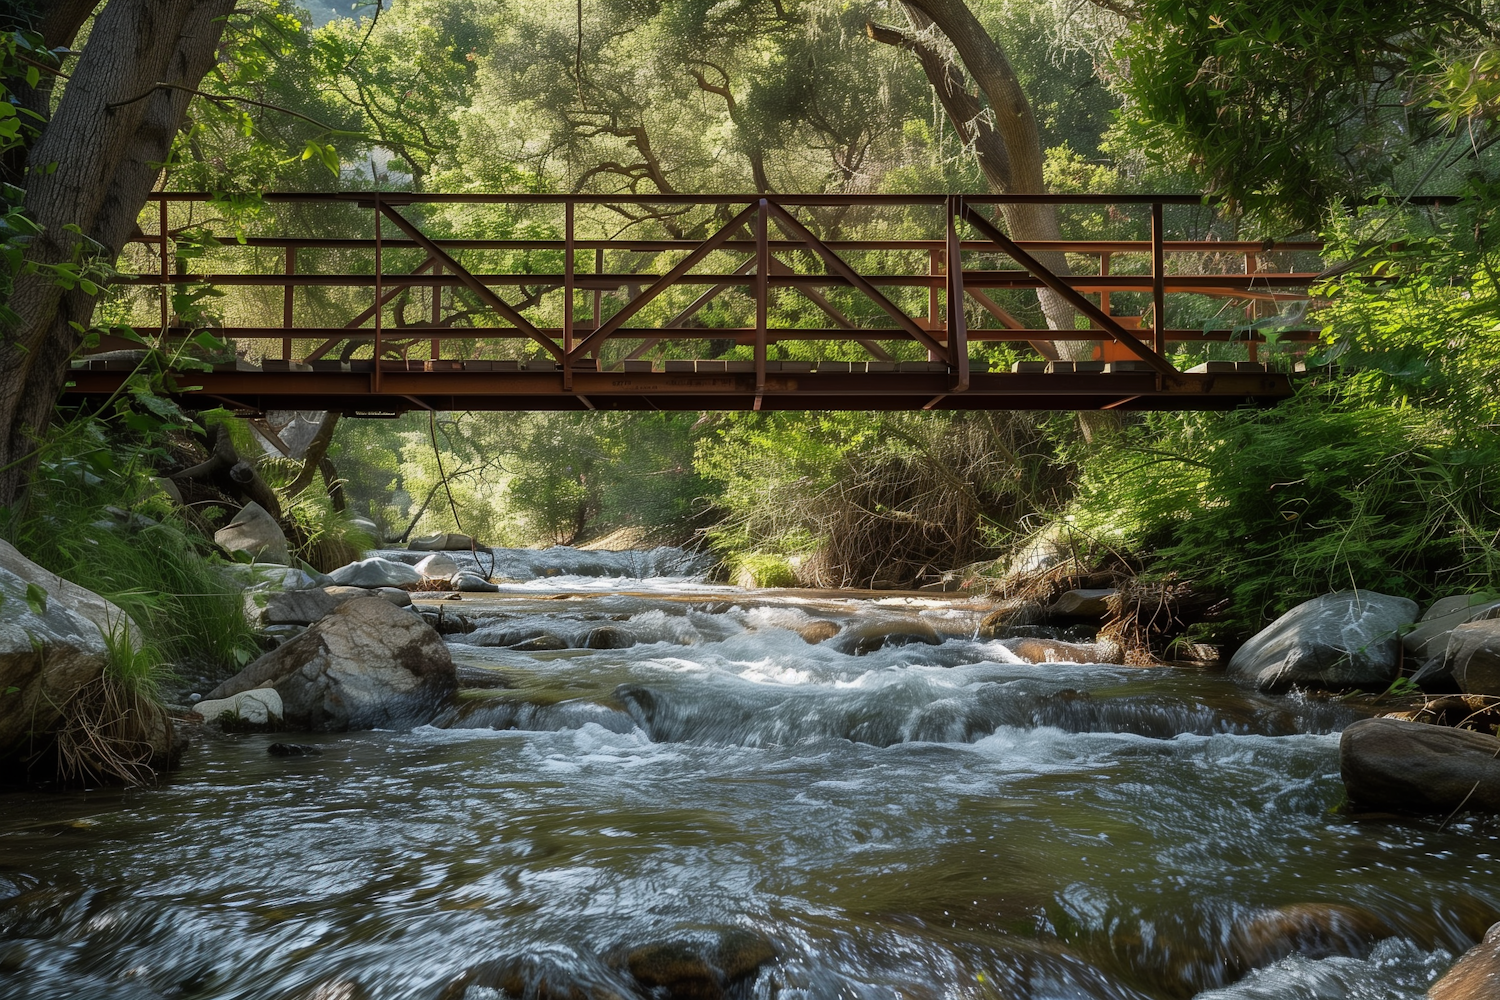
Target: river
{"x": 920, "y": 821}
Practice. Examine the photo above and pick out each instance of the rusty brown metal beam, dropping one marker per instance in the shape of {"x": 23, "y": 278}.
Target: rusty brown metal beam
{"x": 1094, "y": 313}
{"x": 708, "y": 246}
{"x": 475, "y": 285}
{"x": 841, "y": 267}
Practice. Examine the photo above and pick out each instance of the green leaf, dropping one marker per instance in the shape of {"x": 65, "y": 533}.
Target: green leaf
{"x": 36, "y": 598}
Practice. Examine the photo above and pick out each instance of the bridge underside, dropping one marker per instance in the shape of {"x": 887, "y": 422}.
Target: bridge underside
{"x": 399, "y": 391}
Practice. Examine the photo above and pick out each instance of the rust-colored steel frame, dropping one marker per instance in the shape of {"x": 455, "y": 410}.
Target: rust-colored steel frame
{"x": 574, "y": 381}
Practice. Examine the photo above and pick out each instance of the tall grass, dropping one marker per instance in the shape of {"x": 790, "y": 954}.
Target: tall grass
{"x": 187, "y": 608}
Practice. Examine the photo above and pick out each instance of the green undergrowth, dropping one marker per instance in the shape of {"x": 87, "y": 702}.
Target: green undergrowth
{"x": 94, "y": 517}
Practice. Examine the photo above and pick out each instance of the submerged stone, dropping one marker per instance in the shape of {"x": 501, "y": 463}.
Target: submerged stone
{"x": 861, "y": 638}
{"x": 699, "y": 968}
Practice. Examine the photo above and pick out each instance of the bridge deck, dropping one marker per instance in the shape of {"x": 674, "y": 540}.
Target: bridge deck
{"x": 564, "y": 311}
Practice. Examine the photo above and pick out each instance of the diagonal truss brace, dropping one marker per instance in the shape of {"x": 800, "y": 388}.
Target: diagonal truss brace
{"x": 1074, "y": 298}
{"x": 797, "y": 231}
{"x": 486, "y": 294}
{"x": 708, "y": 246}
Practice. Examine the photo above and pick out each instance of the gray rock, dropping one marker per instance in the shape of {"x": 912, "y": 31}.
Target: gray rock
{"x": 449, "y": 541}
{"x": 1476, "y": 976}
{"x": 52, "y": 643}
{"x": 367, "y": 664}
{"x": 1083, "y": 604}
{"x": 1391, "y": 764}
{"x": 272, "y": 576}
{"x": 375, "y": 572}
{"x": 1430, "y": 637}
{"x": 609, "y": 637}
{"x": 1473, "y": 657}
{"x": 473, "y": 583}
{"x": 867, "y": 637}
{"x": 438, "y": 566}
{"x": 260, "y": 707}
{"x": 303, "y": 607}
{"x": 256, "y": 533}
{"x": 1347, "y": 639}
{"x": 366, "y": 525}
{"x": 540, "y": 644}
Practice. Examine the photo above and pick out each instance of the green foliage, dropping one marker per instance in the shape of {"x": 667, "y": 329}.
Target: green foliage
{"x": 94, "y": 515}
{"x": 1380, "y": 474}
{"x": 763, "y": 569}
{"x": 872, "y": 498}
{"x": 1315, "y": 89}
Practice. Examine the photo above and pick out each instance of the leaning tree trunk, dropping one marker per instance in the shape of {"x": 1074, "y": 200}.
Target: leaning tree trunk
{"x": 92, "y": 167}
{"x": 1008, "y": 145}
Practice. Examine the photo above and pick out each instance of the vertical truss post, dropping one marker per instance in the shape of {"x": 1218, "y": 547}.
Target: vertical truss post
{"x": 762, "y": 294}
{"x": 437, "y": 311}
{"x": 934, "y": 267}
{"x": 1104, "y": 259}
{"x": 598, "y": 292}
{"x": 1158, "y": 281}
{"x": 287, "y": 303}
{"x": 958, "y": 330}
{"x": 166, "y": 273}
{"x": 1252, "y": 308}
{"x": 568, "y": 281}
{"x": 379, "y": 264}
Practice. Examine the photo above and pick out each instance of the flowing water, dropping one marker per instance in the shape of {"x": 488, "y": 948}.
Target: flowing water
{"x": 920, "y": 820}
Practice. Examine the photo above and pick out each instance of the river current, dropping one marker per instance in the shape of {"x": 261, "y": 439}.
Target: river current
{"x": 917, "y": 821}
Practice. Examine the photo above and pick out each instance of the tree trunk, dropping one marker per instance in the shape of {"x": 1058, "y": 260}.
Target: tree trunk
{"x": 1009, "y": 151}
{"x": 112, "y": 129}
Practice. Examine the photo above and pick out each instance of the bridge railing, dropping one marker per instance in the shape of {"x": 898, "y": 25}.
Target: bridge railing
{"x": 607, "y": 281}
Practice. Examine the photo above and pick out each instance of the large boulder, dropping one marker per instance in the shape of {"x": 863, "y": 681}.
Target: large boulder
{"x": 1473, "y": 656}
{"x": 303, "y": 607}
{"x": 1398, "y": 766}
{"x": 368, "y": 664}
{"x": 1347, "y": 639}
{"x": 52, "y": 644}
{"x": 255, "y": 532}
{"x": 1430, "y": 637}
{"x": 1476, "y": 976}
{"x": 375, "y": 572}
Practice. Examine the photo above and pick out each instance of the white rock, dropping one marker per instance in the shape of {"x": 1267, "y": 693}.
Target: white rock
{"x": 52, "y": 642}
{"x": 258, "y": 707}
{"x": 438, "y": 566}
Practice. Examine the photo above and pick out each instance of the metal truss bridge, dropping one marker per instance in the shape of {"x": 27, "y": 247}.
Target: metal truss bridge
{"x": 377, "y": 315}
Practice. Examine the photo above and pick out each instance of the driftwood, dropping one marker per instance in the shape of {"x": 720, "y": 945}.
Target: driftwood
{"x": 230, "y": 474}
